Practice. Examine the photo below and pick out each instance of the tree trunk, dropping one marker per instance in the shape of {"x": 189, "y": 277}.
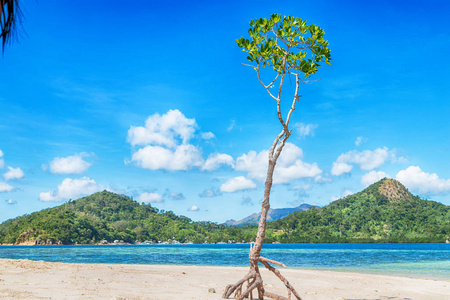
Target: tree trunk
{"x": 260, "y": 236}
{"x": 253, "y": 278}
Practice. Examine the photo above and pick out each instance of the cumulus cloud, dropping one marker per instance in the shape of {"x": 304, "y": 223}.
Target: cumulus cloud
{"x": 72, "y": 188}
{"x": 210, "y": 193}
{"x": 2, "y": 162}
{"x": 216, "y": 160}
{"x": 4, "y": 187}
{"x": 150, "y": 198}
{"x": 372, "y": 177}
{"x": 163, "y": 130}
{"x": 367, "y": 160}
{"x": 254, "y": 163}
{"x": 340, "y": 168}
{"x": 305, "y": 129}
{"x": 289, "y": 165}
{"x": 239, "y": 183}
{"x": 13, "y": 173}
{"x": 74, "y": 164}
{"x": 165, "y": 144}
{"x": 344, "y": 194}
{"x": 11, "y": 202}
{"x": 194, "y": 208}
{"x": 184, "y": 158}
{"x": 425, "y": 183}
{"x": 299, "y": 169}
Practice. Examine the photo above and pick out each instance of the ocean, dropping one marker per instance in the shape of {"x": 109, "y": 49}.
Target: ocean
{"x": 416, "y": 260}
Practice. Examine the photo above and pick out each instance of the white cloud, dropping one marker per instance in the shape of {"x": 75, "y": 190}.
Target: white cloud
{"x": 184, "y": 157}
{"x": 72, "y": 188}
{"x": 306, "y": 129}
{"x": 74, "y": 164}
{"x": 239, "y": 183}
{"x": 151, "y": 198}
{"x": 194, "y": 208}
{"x": 367, "y": 159}
{"x": 210, "y": 193}
{"x": 340, "y": 168}
{"x": 2, "y": 162}
{"x": 11, "y": 201}
{"x": 359, "y": 140}
{"x": 300, "y": 169}
{"x": 215, "y": 160}
{"x": 16, "y": 173}
{"x": 289, "y": 165}
{"x": 372, "y": 177}
{"x": 231, "y": 126}
{"x": 165, "y": 142}
{"x": 207, "y": 135}
{"x": 425, "y": 183}
{"x": 4, "y": 187}
{"x": 173, "y": 195}
{"x": 253, "y": 163}
{"x": 344, "y": 194}
{"x": 163, "y": 130}
{"x": 323, "y": 179}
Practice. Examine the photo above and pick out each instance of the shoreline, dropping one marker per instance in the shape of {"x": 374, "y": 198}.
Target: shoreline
{"x": 26, "y": 279}
{"x": 335, "y": 270}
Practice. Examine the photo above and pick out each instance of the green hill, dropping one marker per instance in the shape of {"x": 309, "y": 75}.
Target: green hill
{"x": 384, "y": 212}
{"x": 108, "y": 216}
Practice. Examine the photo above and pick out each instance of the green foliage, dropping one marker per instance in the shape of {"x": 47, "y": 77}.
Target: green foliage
{"x": 108, "y": 216}
{"x": 368, "y": 216}
{"x": 287, "y": 44}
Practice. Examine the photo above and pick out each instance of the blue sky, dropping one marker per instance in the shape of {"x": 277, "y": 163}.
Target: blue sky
{"x": 150, "y": 99}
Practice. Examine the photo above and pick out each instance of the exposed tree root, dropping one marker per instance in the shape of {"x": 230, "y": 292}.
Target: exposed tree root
{"x": 254, "y": 281}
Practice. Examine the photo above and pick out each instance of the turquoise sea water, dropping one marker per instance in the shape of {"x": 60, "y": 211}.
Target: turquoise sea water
{"x": 418, "y": 260}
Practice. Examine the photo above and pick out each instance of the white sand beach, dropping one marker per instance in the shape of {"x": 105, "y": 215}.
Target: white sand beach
{"x": 25, "y": 279}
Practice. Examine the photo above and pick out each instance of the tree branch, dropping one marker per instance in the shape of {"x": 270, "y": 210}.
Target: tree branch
{"x": 274, "y": 144}
{"x": 268, "y": 86}
{"x": 296, "y": 98}
{"x": 261, "y": 259}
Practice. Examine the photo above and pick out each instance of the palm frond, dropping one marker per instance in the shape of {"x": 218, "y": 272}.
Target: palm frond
{"x": 10, "y": 18}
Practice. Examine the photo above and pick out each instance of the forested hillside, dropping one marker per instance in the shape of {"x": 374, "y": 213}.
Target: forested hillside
{"x": 108, "y": 216}
{"x": 384, "y": 212}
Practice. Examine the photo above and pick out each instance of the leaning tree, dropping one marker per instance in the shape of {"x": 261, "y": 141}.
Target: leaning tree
{"x": 291, "y": 49}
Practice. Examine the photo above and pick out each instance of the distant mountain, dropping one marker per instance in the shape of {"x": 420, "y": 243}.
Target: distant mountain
{"x": 384, "y": 212}
{"x": 272, "y": 215}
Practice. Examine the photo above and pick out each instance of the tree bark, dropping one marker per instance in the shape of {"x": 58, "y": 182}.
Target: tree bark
{"x": 253, "y": 277}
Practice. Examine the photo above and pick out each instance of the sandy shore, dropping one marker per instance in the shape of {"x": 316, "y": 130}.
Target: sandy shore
{"x": 25, "y": 279}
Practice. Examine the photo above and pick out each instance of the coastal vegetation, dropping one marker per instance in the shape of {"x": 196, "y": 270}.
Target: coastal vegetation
{"x": 385, "y": 212}
{"x": 106, "y": 216}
